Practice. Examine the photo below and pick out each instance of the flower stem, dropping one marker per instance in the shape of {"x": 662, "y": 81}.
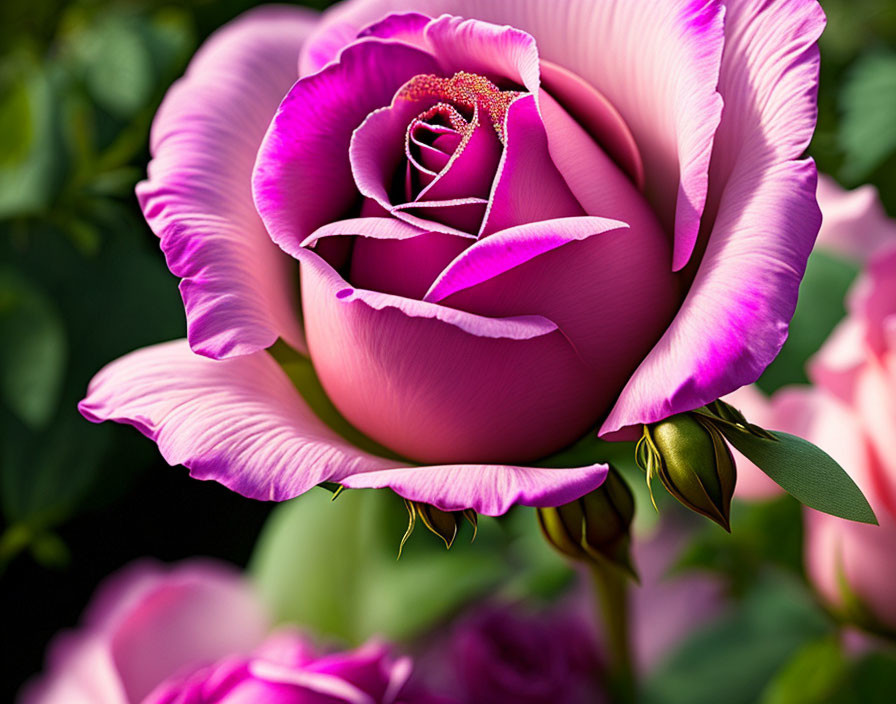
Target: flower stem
{"x": 611, "y": 590}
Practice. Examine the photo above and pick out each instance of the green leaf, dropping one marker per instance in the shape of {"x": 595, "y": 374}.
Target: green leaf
{"x": 733, "y": 658}
{"x": 16, "y": 132}
{"x": 330, "y": 566}
{"x": 804, "y": 471}
{"x": 33, "y": 352}
{"x": 30, "y": 170}
{"x": 868, "y": 101}
{"x": 813, "y": 676}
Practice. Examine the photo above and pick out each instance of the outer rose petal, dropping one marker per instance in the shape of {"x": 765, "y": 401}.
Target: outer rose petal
{"x": 238, "y": 289}
{"x": 242, "y": 423}
{"x": 439, "y": 384}
{"x": 496, "y": 488}
{"x": 238, "y": 421}
{"x": 656, "y": 61}
{"x": 735, "y": 317}
{"x": 303, "y": 178}
{"x": 145, "y": 624}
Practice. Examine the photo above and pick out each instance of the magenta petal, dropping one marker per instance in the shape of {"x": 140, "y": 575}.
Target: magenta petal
{"x": 487, "y": 49}
{"x": 735, "y": 317}
{"x": 238, "y": 421}
{"x": 497, "y": 488}
{"x": 594, "y": 112}
{"x": 242, "y": 423}
{"x": 441, "y": 385}
{"x": 374, "y": 227}
{"x": 528, "y": 187}
{"x": 303, "y": 177}
{"x": 656, "y": 61}
{"x": 238, "y": 289}
{"x": 509, "y": 248}
{"x": 148, "y": 622}
{"x": 407, "y": 26}
{"x": 403, "y": 267}
{"x": 597, "y": 183}
{"x": 470, "y": 45}
{"x": 471, "y": 169}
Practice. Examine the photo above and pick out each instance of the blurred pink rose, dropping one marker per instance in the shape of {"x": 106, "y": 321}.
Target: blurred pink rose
{"x": 858, "y": 366}
{"x": 196, "y": 633}
{"x": 851, "y": 414}
{"x": 514, "y": 223}
{"x": 854, "y": 223}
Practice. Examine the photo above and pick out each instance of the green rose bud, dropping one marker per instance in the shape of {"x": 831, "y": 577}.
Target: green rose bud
{"x": 692, "y": 460}
{"x": 594, "y": 527}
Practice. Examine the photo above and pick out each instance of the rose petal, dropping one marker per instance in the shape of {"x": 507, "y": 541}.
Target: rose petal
{"x": 596, "y": 182}
{"x": 528, "y": 188}
{"x": 735, "y": 317}
{"x": 146, "y": 623}
{"x": 855, "y": 222}
{"x": 238, "y": 289}
{"x": 242, "y": 423}
{"x": 509, "y": 248}
{"x": 596, "y": 114}
{"x": 656, "y": 61}
{"x": 438, "y": 384}
{"x": 238, "y": 421}
{"x": 405, "y": 267}
{"x": 303, "y": 176}
{"x": 497, "y": 488}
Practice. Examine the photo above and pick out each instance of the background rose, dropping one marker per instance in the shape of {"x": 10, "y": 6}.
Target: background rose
{"x": 502, "y": 655}
{"x": 857, "y": 366}
{"x": 529, "y": 334}
{"x": 197, "y": 632}
{"x": 849, "y": 413}
{"x": 855, "y": 227}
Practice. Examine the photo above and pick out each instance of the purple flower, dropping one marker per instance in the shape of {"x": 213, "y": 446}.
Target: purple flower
{"x": 513, "y": 223}
{"x": 196, "y": 633}
{"x": 506, "y": 655}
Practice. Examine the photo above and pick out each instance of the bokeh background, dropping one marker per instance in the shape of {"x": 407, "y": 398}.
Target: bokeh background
{"x": 82, "y": 281}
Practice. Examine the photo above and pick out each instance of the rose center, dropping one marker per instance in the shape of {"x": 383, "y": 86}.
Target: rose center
{"x": 469, "y": 91}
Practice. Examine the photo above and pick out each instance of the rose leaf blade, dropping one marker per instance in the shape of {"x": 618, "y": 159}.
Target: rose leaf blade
{"x": 806, "y": 472}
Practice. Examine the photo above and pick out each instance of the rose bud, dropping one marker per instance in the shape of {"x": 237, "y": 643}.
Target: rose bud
{"x": 692, "y": 460}
{"x": 596, "y": 526}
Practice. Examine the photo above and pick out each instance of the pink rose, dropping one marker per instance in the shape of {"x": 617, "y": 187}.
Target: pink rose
{"x": 196, "y": 633}
{"x": 854, "y": 223}
{"x": 851, "y": 414}
{"x": 513, "y": 223}
{"x": 849, "y": 562}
